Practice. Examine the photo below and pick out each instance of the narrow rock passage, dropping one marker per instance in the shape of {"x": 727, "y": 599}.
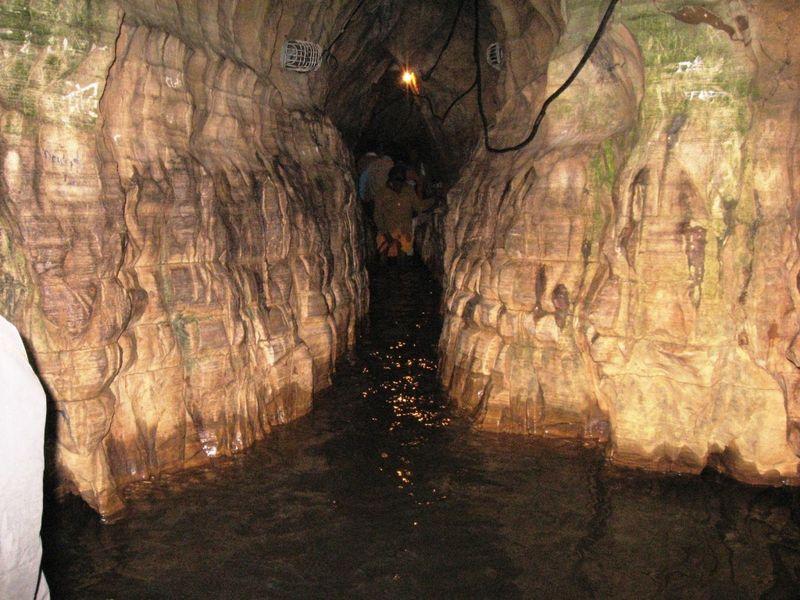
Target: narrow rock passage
{"x": 383, "y": 492}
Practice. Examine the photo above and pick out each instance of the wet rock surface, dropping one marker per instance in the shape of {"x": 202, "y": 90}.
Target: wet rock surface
{"x": 383, "y": 491}
{"x": 180, "y": 248}
{"x": 180, "y": 243}
{"x": 631, "y": 274}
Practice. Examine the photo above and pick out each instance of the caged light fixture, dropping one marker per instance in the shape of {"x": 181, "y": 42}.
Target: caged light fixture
{"x": 495, "y": 55}
{"x": 301, "y": 56}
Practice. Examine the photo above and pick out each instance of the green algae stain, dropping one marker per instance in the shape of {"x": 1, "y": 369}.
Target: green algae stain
{"x": 667, "y": 43}
{"x": 18, "y": 23}
{"x": 603, "y": 172}
{"x": 181, "y": 325}
{"x": 181, "y": 334}
{"x": 603, "y": 166}
{"x": 14, "y": 285}
{"x": 42, "y": 43}
{"x": 684, "y": 62}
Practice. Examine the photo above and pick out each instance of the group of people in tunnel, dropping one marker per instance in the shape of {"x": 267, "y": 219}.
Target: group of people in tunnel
{"x": 392, "y": 192}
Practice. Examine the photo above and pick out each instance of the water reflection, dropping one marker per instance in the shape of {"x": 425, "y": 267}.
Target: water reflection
{"x": 382, "y": 492}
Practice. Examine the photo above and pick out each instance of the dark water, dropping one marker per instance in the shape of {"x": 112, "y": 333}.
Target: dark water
{"x": 382, "y": 492}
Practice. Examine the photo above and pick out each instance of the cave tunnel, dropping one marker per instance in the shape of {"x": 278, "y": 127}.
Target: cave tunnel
{"x": 582, "y": 383}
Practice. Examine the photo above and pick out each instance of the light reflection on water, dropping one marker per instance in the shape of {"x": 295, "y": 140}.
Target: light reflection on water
{"x": 383, "y": 492}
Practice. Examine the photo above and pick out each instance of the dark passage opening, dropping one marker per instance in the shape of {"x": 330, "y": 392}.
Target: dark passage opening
{"x": 400, "y": 125}
{"x": 401, "y": 129}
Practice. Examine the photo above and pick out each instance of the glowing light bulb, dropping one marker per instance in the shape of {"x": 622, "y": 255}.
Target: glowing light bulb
{"x": 409, "y": 79}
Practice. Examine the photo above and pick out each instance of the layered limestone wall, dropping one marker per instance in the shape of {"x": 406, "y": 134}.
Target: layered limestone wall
{"x": 179, "y": 236}
{"x": 632, "y": 275}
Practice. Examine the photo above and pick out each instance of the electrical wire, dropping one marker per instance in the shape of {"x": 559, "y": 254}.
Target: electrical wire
{"x": 452, "y": 104}
{"x": 427, "y": 75}
{"x": 429, "y": 72}
{"x": 343, "y": 29}
{"x": 540, "y": 117}
{"x": 430, "y": 105}
{"x": 458, "y": 99}
{"x": 327, "y": 54}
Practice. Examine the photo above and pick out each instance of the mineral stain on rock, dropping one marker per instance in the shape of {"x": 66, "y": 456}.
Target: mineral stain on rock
{"x": 561, "y": 304}
{"x": 695, "y": 15}
{"x": 695, "y": 160}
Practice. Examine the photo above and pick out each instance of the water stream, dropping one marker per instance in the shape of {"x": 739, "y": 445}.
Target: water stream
{"x": 383, "y": 492}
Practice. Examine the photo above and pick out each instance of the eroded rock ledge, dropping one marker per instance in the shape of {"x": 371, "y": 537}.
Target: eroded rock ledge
{"x": 632, "y": 274}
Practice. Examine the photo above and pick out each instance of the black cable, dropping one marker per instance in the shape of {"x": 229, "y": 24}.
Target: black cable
{"x": 430, "y": 105}
{"x": 428, "y": 74}
{"x": 455, "y": 101}
{"x": 584, "y": 59}
{"x": 326, "y": 53}
{"x": 458, "y": 99}
{"x": 343, "y": 29}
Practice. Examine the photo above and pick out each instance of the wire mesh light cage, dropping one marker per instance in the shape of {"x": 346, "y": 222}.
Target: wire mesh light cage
{"x": 301, "y": 56}
{"x": 494, "y": 55}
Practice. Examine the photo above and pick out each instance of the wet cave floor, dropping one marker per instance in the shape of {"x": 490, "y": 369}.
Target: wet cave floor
{"x": 383, "y": 492}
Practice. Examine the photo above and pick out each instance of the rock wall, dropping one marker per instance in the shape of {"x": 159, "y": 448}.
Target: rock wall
{"x": 632, "y": 275}
{"x": 179, "y": 238}
{"x": 180, "y": 244}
